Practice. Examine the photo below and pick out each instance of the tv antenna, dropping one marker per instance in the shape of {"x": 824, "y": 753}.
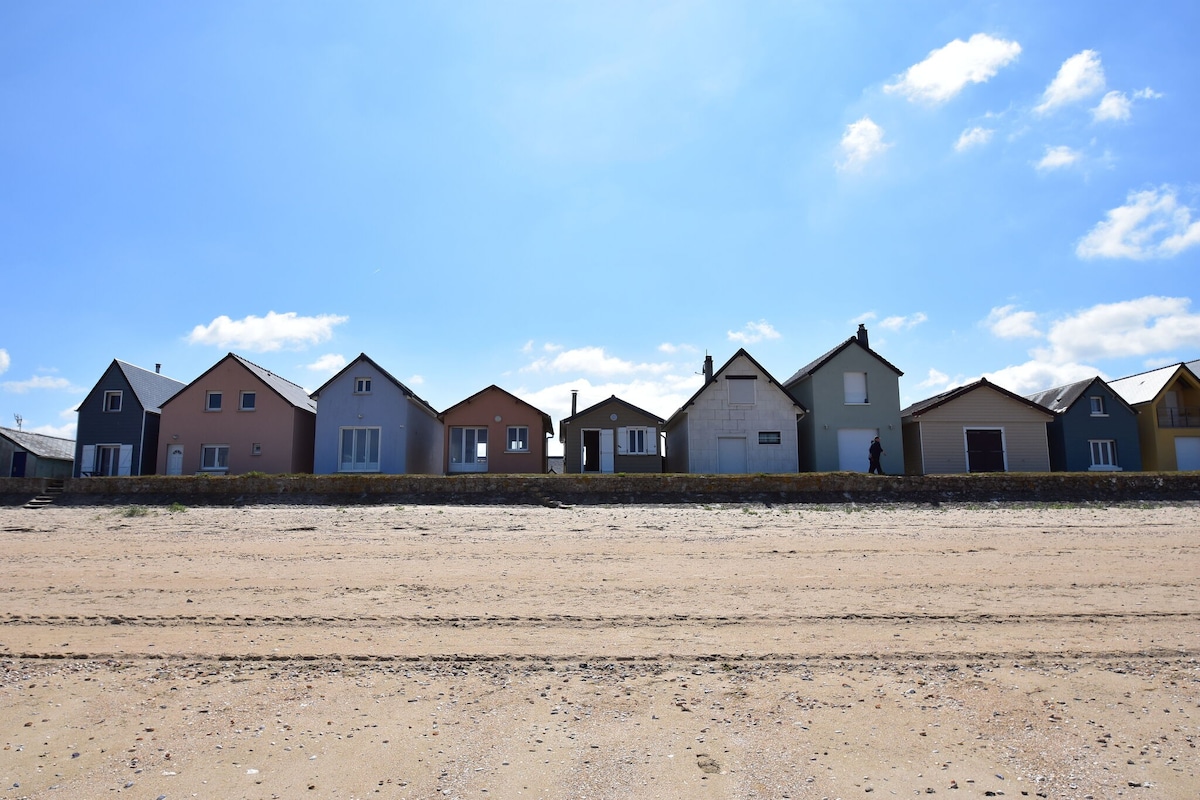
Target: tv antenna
{"x": 19, "y": 420}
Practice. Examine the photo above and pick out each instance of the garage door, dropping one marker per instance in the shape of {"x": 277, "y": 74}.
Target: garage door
{"x": 853, "y": 444}
{"x": 1187, "y": 453}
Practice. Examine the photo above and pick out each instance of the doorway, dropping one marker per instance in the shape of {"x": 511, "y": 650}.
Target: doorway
{"x": 985, "y": 450}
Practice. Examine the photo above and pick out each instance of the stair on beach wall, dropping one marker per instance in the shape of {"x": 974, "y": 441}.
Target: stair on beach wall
{"x": 53, "y": 490}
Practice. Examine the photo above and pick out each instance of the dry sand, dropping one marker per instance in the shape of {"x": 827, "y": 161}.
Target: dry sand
{"x": 720, "y": 651}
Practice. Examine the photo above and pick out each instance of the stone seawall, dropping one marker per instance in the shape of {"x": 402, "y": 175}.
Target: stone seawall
{"x": 829, "y": 487}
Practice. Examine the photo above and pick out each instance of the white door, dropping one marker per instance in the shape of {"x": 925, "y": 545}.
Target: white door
{"x": 606, "y": 450}
{"x": 1187, "y": 453}
{"x": 854, "y": 445}
{"x": 175, "y": 459}
{"x": 731, "y": 455}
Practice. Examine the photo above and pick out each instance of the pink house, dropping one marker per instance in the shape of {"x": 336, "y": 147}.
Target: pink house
{"x": 494, "y": 431}
{"x": 237, "y": 417}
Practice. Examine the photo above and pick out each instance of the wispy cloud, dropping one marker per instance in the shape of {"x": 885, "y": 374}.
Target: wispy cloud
{"x": 590, "y": 361}
{"x": 1058, "y": 158}
{"x": 753, "y": 332}
{"x": 265, "y": 334}
{"x": 675, "y": 349}
{"x": 1151, "y": 224}
{"x": 862, "y": 142}
{"x": 1118, "y": 107}
{"x": 946, "y": 71}
{"x": 1079, "y": 77}
{"x": 39, "y": 382}
{"x": 327, "y": 364}
{"x": 903, "y": 323}
{"x": 4, "y": 361}
{"x": 1009, "y": 323}
{"x": 973, "y": 137}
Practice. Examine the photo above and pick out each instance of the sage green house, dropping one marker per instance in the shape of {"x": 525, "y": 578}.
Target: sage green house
{"x": 852, "y": 395}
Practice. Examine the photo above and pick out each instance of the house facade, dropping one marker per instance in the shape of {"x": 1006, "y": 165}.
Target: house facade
{"x": 979, "y": 427}
{"x": 237, "y": 417}
{"x": 611, "y": 436}
{"x": 117, "y": 433}
{"x": 852, "y": 395}
{"x": 740, "y": 421}
{"x": 367, "y": 421}
{"x": 1094, "y": 429}
{"x": 1168, "y": 404}
{"x": 34, "y": 455}
{"x": 496, "y": 432}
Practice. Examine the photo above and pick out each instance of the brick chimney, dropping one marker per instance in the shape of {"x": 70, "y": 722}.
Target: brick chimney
{"x": 862, "y": 334}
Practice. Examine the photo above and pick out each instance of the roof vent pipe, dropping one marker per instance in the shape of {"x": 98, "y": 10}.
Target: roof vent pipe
{"x": 158, "y": 369}
{"x": 574, "y": 398}
{"x": 862, "y": 334}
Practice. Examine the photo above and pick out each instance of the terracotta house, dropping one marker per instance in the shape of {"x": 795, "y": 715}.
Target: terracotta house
{"x": 1168, "y": 404}
{"x": 237, "y": 417}
{"x": 611, "y": 436}
{"x": 979, "y": 427}
{"x": 740, "y": 421}
{"x": 367, "y": 421}
{"x": 496, "y": 432}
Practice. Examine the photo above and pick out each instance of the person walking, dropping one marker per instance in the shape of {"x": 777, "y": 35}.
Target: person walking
{"x": 875, "y": 452}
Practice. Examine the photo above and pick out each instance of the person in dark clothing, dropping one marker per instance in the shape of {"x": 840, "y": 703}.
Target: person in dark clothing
{"x": 875, "y": 452}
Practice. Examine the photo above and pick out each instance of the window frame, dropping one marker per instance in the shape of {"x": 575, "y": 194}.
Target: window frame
{"x": 740, "y": 381}
{"x": 217, "y": 450}
{"x": 209, "y": 396}
{"x": 1103, "y": 448}
{"x": 866, "y": 388}
{"x": 367, "y": 465}
{"x": 242, "y": 400}
{"x": 770, "y": 437}
{"x": 508, "y": 439}
{"x": 641, "y": 435}
{"x": 463, "y": 462}
{"x": 1098, "y": 406}
{"x": 362, "y": 385}
{"x": 113, "y": 394}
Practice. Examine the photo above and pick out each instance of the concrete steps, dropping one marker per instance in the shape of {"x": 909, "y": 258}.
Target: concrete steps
{"x": 53, "y": 490}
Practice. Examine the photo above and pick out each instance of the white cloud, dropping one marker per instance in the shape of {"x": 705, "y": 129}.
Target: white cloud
{"x": 1114, "y": 106}
{"x": 4, "y": 361}
{"x": 1079, "y": 77}
{"x": 1034, "y": 376}
{"x": 264, "y": 334}
{"x": 862, "y": 141}
{"x": 1146, "y": 94}
{"x": 753, "y": 332}
{"x": 1139, "y": 327}
{"x": 65, "y": 431}
{"x": 416, "y": 380}
{"x": 903, "y": 323}
{"x": 590, "y": 361}
{"x": 675, "y": 349}
{"x": 973, "y": 137}
{"x": 946, "y": 71}
{"x": 1151, "y": 224}
{"x": 39, "y": 382}
{"x": 1008, "y": 323}
{"x": 1058, "y": 158}
{"x": 328, "y": 363}
{"x": 934, "y": 380}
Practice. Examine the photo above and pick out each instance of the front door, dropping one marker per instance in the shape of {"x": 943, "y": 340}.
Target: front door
{"x": 175, "y": 459}
{"x": 731, "y": 455}
{"x": 18, "y": 464}
{"x": 606, "y": 450}
{"x": 985, "y": 450}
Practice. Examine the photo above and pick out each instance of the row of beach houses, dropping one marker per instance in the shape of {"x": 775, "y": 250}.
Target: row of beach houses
{"x": 238, "y": 417}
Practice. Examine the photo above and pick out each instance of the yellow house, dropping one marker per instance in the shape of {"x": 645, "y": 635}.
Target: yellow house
{"x": 1168, "y": 404}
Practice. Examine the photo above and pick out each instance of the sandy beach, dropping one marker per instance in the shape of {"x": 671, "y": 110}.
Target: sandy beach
{"x": 688, "y": 651}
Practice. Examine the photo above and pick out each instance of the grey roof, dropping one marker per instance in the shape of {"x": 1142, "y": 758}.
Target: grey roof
{"x": 815, "y": 365}
{"x": 151, "y": 388}
{"x": 364, "y": 357}
{"x": 1061, "y": 398}
{"x": 930, "y": 403}
{"x": 547, "y": 423}
{"x": 1145, "y": 386}
{"x": 283, "y": 387}
{"x": 41, "y": 445}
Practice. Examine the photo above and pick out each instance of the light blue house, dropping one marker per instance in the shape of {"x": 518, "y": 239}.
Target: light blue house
{"x": 367, "y": 421}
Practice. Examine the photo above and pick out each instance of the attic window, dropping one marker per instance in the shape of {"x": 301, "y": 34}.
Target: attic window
{"x": 362, "y": 385}
{"x": 212, "y": 401}
{"x": 741, "y": 389}
{"x": 1098, "y": 409}
{"x": 855, "y": 385}
{"x": 112, "y": 401}
{"x": 248, "y": 401}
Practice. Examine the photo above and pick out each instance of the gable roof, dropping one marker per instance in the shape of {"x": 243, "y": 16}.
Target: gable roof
{"x": 1062, "y": 398}
{"x": 547, "y": 423}
{"x": 811, "y": 367}
{"x": 409, "y": 393}
{"x": 610, "y": 401}
{"x": 930, "y": 403}
{"x": 41, "y": 445}
{"x": 289, "y": 391}
{"x": 150, "y": 389}
{"x": 1146, "y": 386}
{"x": 741, "y": 352}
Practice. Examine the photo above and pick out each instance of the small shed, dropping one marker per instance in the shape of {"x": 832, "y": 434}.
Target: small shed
{"x": 35, "y": 455}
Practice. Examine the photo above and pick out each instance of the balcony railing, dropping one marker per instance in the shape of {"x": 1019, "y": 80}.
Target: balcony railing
{"x": 1187, "y": 417}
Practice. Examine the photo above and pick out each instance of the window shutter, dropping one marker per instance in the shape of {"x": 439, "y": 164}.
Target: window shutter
{"x": 125, "y": 464}
{"x": 87, "y": 461}
{"x": 622, "y": 441}
{"x": 651, "y": 441}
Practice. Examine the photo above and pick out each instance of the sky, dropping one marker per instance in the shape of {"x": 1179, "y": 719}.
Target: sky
{"x": 592, "y": 196}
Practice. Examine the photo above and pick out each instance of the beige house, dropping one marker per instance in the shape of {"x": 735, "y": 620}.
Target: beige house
{"x": 979, "y": 427}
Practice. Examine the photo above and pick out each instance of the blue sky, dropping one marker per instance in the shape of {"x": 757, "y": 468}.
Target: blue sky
{"x": 552, "y": 196}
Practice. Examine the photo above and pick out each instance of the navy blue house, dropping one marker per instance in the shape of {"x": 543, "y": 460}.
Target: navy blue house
{"x": 117, "y": 432}
{"x": 1093, "y": 428}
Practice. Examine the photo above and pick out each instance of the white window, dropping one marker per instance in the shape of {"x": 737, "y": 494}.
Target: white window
{"x": 518, "y": 438}
{"x": 468, "y": 447}
{"x": 112, "y": 401}
{"x": 637, "y": 441}
{"x": 1097, "y": 406}
{"x": 1104, "y": 454}
{"x": 741, "y": 389}
{"x": 248, "y": 400}
{"x": 770, "y": 437}
{"x": 214, "y": 456}
{"x": 256, "y": 449}
{"x": 108, "y": 459}
{"x": 360, "y": 450}
{"x": 212, "y": 401}
{"x": 362, "y": 385}
{"x": 855, "y": 384}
